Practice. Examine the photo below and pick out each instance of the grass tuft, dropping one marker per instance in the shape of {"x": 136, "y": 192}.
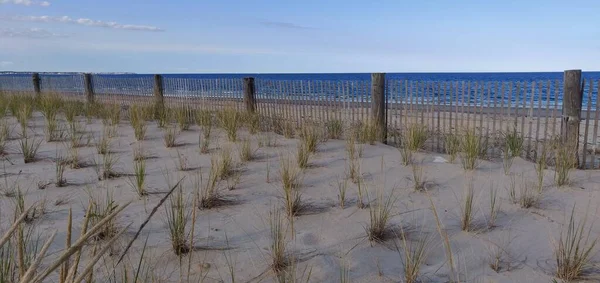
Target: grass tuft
{"x": 59, "y": 172}
{"x": 104, "y": 142}
{"x": 413, "y": 255}
{"x": 170, "y": 137}
{"x": 415, "y": 136}
{"x": 352, "y": 160}
{"x": 139, "y": 180}
{"x": 513, "y": 143}
{"x": 495, "y": 204}
{"x": 452, "y": 146}
{"x": 471, "y": 149}
{"x": 138, "y": 122}
{"x": 289, "y": 173}
{"x": 224, "y": 163}
{"x": 574, "y": 249}
{"x": 310, "y": 137}
{"x": 245, "y": 150}
{"x": 565, "y": 161}
{"x": 302, "y": 155}
{"x": 277, "y": 248}
{"x": 342, "y": 186}
{"x": 29, "y": 148}
{"x": 467, "y": 212}
{"x": 380, "y": 213}
{"x": 335, "y": 129}
{"x": 183, "y": 116}
{"x": 230, "y": 120}
{"x": 177, "y": 218}
{"x": 419, "y": 179}
{"x": 208, "y": 192}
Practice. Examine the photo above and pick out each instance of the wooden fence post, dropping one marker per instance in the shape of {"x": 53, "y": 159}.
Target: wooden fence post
{"x": 89, "y": 88}
{"x": 571, "y": 113}
{"x": 159, "y": 101}
{"x": 378, "y": 104}
{"x": 249, "y": 99}
{"x": 37, "y": 90}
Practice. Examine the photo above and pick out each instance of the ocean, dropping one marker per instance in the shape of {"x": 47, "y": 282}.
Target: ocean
{"x": 345, "y": 86}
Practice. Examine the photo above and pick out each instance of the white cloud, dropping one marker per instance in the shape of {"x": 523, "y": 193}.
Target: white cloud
{"x": 81, "y": 21}
{"x": 29, "y": 33}
{"x": 26, "y": 2}
{"x": 6, "y": 63}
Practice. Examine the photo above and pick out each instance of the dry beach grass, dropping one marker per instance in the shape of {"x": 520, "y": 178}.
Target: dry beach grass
{"x": 180, "y": 195}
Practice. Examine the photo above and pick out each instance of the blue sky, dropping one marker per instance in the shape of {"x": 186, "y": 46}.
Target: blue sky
{"x": 269, "y": 36}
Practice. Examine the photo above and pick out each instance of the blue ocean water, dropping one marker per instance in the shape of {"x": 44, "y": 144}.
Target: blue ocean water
{"x": 486, "y": 77}
{"x": 537, "y": 89}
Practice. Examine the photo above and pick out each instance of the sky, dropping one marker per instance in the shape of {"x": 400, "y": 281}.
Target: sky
{"x": 309, "y": 36}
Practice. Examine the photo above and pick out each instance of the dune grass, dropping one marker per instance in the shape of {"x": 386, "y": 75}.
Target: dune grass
{"x": 342, "y": 187}
{"x": 108, "y": 169}
{"x": 230, "y": 120}
{"x": 467, "y": 207}
{"x": 245, "y": 151}
{"x": 418, "y": 177}
{"x": 413, "y": 254}
{"x": 104, "y": 142}
{"x": 138, "y": 182}
{"x": 278, "y": 244}
{"x": 59, "y": 171}
{"x": 23, "y": 116}
{"x": 565, "y": 161}
{"x": 451, "y": 146}
{"x": 471, "y": 149}
{"x": 37, "y": 273}
{"x": 302, "y": 155}
{"x": 177, "y": 220}
{"x": 100, "y": 206}
{"x": 310, "y": 137}
{"x": 224, "y": 163}
{"x": 414, "y": 136}
{"x": 367, "y": 132}
{"x": 380, "y": 214}
{"x": 253, "y": 121}
{"x": 289, "y": 174}
{"x": 208, "y": 192}
{"x": 29, "y": 148}
{"x": 170, "y": 136}
{"x": 335, "y": 129}
{"x": 138, "y": 122}
{"x": 4, "y": 135}
{"x": 352, "y": 160}
{"x": 184, "y": 116}
{"x": 513, "y": 142}
{"x": 574, "y": 248}
{"x": 495, "y": 204}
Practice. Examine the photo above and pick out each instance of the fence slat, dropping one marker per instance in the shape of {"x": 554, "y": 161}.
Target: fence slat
{"x": 546, "y": 110}
{"x": 530, "y": 120}
{"x": 596, "y": 117}
{"x": 587, "y": 122}
{"x": 539, "y": 118}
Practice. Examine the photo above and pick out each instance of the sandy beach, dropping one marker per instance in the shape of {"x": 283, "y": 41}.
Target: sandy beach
{"x": 326, "y": 241}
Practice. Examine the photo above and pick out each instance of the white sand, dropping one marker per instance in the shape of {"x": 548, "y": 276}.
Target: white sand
{"x": 327, "y": 235}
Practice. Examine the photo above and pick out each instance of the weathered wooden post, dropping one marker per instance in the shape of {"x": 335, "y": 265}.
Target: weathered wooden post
{"x": 571, "y": 113}
{"x": 249, "y": 91}
{"x": 37, "y": 90}
{"x": 378, "y": 104}
{"x": 159, "y": 101}
{"x": 89, "y": 88}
